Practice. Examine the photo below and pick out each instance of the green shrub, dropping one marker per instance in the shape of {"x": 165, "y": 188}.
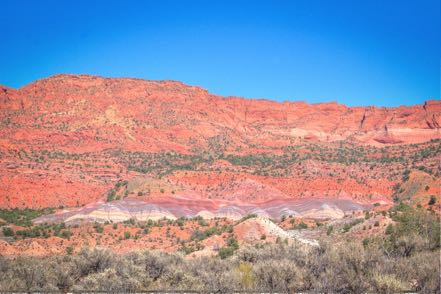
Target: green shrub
{"x": 187, "y": 249}
{"x": 8, "y": 232}
{"x": 348, "y": 226}
{"x": 23, "y": 217}
{"x": 66, "y": 234}
{"x": 413, "y": 222}
{"x": 232, "y": 242}
{"x": 69, "y": 250}
{"x": 202, "y": 222}
{"x": 389, "y": 229}
{"x": 301, "y": 226}
{"x": 225, "y": 252}
{"x": 329, "y": 230}
{"x": 99, "y": 229}
{"x": 367, "y": 215}
{"x": 180, "y": 222}
{"x": 111, "y": 195}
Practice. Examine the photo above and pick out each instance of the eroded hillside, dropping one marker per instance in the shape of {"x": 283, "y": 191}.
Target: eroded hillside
{"x": 71, "y": 140}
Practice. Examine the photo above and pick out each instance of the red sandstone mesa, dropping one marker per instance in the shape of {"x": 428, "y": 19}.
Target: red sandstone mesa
{"x": 57, "y": 134}
{"x": 72, "y": 111}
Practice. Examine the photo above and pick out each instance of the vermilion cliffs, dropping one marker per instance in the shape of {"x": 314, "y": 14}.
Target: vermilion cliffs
{"x": 156, "y": 186}
{"x": 79, "y": 113}
{"x": 74, "y": 140}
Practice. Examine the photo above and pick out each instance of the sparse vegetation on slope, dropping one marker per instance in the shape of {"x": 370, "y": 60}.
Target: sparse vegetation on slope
{"x": 22, "y": 217}
{"x": 403, "y": 259}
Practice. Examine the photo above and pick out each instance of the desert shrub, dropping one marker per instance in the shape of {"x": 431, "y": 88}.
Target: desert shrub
{"x": 381, "y": 266}
{"x": 198, "y": 235}
{"x": 232, "y": 242}
{"x": 93, "y": 261}
{"x": 8, "y": 232}
{"x": 58, "y": 227}
{"x": 69, "y": 250}
{"x": 278, "y": 275}
{"x": 225, "y": 252}
{"x": 389, "y": 229}
{"x": 180, "y": 221}
{"x": 202, "y": 222}
{"x": 213, "y": 275}
{"x": 406, "y": 175}
{"x": 27, "y": 274}
{"x": 111, "y": 195}
{"x": 35, "y": 231}
{"x": 3, "y": 265}
{"x": 98, "y": 228}
{"x": 432, "y": 200}
{"x": 414, "y": 225}
{"x": 329, "y": 230}
{"x": 367, "y": 215}
{"x": 66, "y": 234}
{"x": 64, "y": 271}
{"x": 130, "y": 221}
{"x": 425, "y": 271}
{"x": 344, "y": 268}
{"x": 155, "y": 265}
{"x": 246, "y": 275}
{"x": 23, "y": 217}
{"x": 201, "y": 235}
{"x": 107, "y": 281}
{"x": 388, "y": 284}
{"x": 348, "y": 226}
{"x": 301, "y": 226}
{"x": 187, "y": 249}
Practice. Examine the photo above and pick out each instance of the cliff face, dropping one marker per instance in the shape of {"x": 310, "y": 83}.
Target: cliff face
{"x": 69, "y": 139}
{"x": 86, "y": 113}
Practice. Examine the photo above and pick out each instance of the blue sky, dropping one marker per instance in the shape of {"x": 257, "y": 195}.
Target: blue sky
{"x": 354, "y": 52}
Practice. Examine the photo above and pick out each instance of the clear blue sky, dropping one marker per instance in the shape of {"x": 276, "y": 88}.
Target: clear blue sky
{"x": 355, "y": 52}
